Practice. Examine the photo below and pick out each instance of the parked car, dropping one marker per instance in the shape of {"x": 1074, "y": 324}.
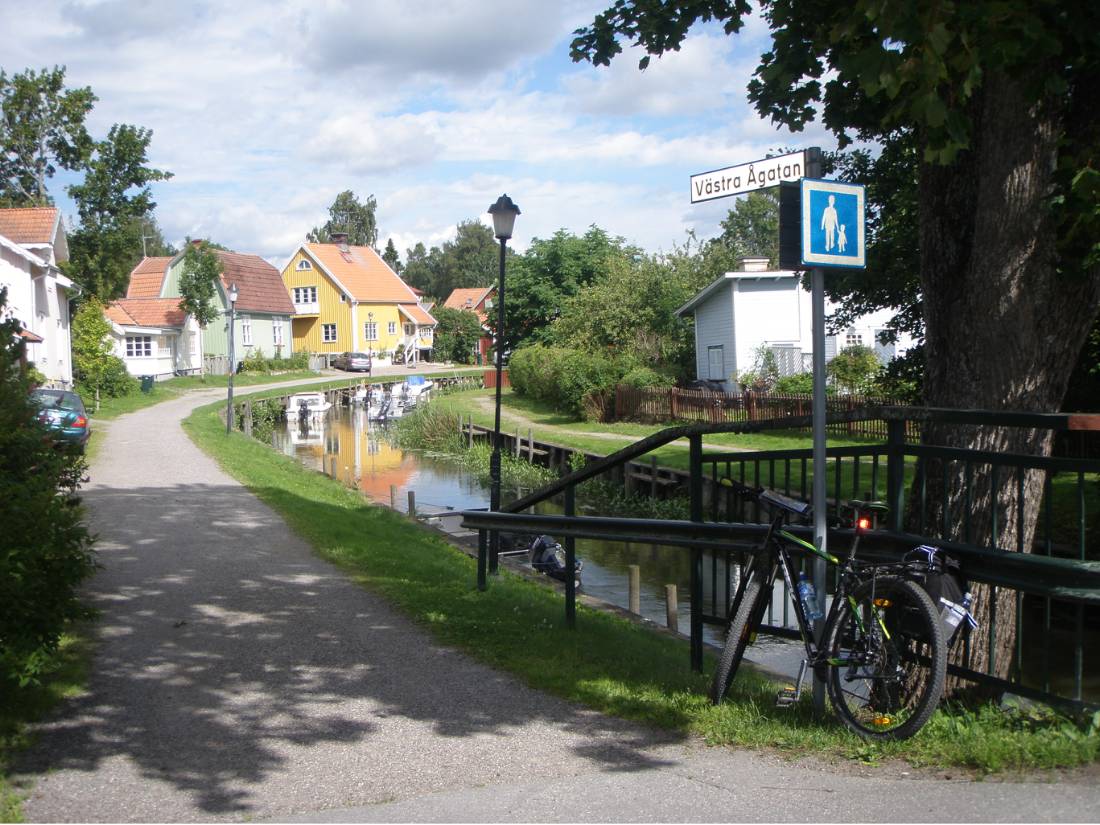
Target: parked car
{"x": 63, "y": 414}
{"x": 352, "y": 362}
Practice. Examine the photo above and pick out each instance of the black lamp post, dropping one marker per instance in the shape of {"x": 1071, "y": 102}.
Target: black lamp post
{"x": 232, "y": 317}
{"x": 504, "y": 218}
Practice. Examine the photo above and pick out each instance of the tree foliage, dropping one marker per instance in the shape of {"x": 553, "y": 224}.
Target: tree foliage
{"x": 96, "y": 368}
{"x": 456, "y": 335}
{"x": 199, "y": 278}
{"x": 552, "y": 271}
{"x": 112, "y": 201}
{"x": 41, "y": 130}
{"x": 348, "y": 214}
{"x": 45, "y": 549}
{"x": 391, "y": 257}
{"x": 854, "y": 369}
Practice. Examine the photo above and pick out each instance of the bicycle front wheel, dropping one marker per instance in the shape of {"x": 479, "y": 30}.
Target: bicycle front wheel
{"x": 887, "y": 659}
{"x": 746, "y": 616}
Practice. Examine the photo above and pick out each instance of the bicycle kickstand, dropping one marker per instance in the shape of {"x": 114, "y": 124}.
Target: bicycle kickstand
{"x": 790, "y": 695}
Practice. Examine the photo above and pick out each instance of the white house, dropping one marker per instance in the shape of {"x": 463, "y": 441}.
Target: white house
{"x": 151, "y": 334}
{"x": 32, "y": 244}
{"x": 740, "y": 311}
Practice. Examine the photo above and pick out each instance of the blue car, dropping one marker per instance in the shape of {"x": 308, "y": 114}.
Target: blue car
{"x": 62, "y": 412}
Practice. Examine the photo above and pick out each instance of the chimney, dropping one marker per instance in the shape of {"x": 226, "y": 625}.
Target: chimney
{"x": 754, "y": 264}
{"x": 196, "y": 242}
{"x": 340, "y": 239}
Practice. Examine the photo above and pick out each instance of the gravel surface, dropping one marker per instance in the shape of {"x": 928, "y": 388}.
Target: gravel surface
{"x": 237, "y": 676}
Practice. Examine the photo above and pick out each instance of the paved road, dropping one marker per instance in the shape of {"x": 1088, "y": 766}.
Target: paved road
{"x": 237, "y": 676}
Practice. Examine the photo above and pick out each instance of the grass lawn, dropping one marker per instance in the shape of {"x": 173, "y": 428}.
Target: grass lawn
{"x": 607, "y": 663}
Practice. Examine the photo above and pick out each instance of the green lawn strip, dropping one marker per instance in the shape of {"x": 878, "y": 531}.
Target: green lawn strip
{"x": 607, "y": 663}
{"x": 65, "y": 676}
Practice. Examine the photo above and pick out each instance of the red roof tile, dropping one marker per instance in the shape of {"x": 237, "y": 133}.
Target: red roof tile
{"x": 32, "y": 225}
{"x": 148, "y": 277}
{"x": 260, "y": 287}
{"x": 362, "y": 272}
{"x": 146, "y": 312}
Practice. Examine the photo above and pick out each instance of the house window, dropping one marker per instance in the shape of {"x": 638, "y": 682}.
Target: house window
{"x": 246, "y": 331}
{"x": 853, "y": 339}
{"x": 488, "y": 304}
{"x": 409, "y": 329}
{"x": 370, "y": 331}
{"x": 391, "y": 328}
{"x": 304, "y": 264}
{"x": 139, "y": 346}
{"x": 426, "y": 332}
{"x": 305, "y": 294}
{"x": 277, "y": 331}
{"x": 328, "y": 333}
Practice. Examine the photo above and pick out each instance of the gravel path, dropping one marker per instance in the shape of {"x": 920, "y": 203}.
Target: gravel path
{"x": 237, "y": 676}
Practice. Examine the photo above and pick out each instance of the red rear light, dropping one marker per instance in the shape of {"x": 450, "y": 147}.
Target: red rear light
{"x": 863, "y": 523}
{"x": 81, "y": 421}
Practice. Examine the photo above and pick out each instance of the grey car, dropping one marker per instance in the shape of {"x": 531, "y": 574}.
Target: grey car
{"x": 352, "y": 362}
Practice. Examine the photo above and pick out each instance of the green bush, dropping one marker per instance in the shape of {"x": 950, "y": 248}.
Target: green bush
{"x": 569, "y": 380}
{"x": 801, "y": 383}
{"x": 255, "y": 362}
{"x": 45, "y": 549}
{"x": 643, "y": 377}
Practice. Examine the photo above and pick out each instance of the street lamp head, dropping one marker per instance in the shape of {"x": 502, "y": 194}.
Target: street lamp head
{"x": 233, "y": 293}
{"x": 504, "y": 217}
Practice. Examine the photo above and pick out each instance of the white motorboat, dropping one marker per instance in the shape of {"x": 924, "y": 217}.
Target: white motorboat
{"x": 413, "y": 390}
{"x": 313, "y": 404}
{"x": 382, "y": 406}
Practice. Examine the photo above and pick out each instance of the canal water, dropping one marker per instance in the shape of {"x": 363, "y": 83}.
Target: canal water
{"x": 368, "y": 459}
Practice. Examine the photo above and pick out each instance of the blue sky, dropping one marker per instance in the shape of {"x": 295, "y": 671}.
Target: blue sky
{"x": 264, "y": 111}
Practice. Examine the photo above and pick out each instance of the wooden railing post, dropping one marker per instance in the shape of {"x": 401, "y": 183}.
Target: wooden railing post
{"x": 895, "y": 472}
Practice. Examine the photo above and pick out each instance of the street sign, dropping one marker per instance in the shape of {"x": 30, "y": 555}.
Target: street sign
{"x": 747, "y": 177}
{"x": 833, "y": 224}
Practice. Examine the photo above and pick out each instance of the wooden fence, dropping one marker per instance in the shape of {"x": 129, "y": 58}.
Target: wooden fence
{"x": 656, "y": 405}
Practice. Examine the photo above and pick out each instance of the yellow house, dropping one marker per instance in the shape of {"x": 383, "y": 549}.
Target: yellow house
{"x": 347, "y": 299}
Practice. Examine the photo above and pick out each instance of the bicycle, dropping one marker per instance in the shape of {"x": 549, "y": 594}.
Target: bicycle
{"x": 882, "y": 654}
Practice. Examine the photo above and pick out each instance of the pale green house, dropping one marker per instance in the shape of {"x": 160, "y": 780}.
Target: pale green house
{"x": 263, "y": 308}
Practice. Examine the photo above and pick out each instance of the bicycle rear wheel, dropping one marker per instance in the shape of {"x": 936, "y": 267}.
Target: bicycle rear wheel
{"x": 887, "y": 659}
{"x": 746, "y": 612}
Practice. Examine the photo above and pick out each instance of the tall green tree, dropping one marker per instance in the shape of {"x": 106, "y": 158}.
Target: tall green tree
{"x": 202, "y": 269}
{"x": 41, "y": 130}
{"x": 551, "y": 271}
{"x": 391, "y": 257}
{"x": 456, "y": 335}
{"x": 96, "y": 368}
{"x": 418, "y": 271}
{"x": 470, "y": 260}
{"x": 348, "y": 214}
{"x": 750, "y": 230}
{"x": 112, "y": 200}
{"x": 998, "y": 100}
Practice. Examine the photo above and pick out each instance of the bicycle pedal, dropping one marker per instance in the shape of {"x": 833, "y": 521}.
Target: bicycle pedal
{"x": 786, "y": 697}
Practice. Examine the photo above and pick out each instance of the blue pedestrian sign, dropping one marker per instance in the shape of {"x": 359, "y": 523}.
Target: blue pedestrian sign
{"x": 833, "y": 224}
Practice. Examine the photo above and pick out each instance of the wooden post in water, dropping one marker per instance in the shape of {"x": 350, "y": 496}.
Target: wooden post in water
{"x": 412, "y": 504}
{"x": 672, "y": 617}
{"x": 470, "y": 432}
{"x": 393, "y": 496}
{"x": 634, "y": 588}
{"x": 531, "y": 445}
{"x": 517, "y": 442}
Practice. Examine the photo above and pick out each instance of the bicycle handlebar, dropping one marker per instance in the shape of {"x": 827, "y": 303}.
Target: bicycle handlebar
{"x": 769, "y": 497}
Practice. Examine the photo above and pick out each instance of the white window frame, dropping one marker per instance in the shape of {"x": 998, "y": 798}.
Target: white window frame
{"x": 852, "y": 338}
{"x": 277, "y": 331}
{"x": 326, "y": 336}
{"x": 305, "y": 295}
{"x": 392, "y": 328}
{"x": 246, "y": 331}
{"x": 139, "y": 346}
{"x": 304, "y": 265}
{"x": 370, "y": 331}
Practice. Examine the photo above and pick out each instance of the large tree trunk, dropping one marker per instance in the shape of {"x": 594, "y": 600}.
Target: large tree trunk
{"x": 1004, "y": 328}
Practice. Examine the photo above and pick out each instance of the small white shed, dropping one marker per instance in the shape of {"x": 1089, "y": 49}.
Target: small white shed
{"x": 740, "y": 311}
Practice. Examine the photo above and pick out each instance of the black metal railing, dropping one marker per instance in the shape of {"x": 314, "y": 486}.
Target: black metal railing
{"x": 1061, "y": 590}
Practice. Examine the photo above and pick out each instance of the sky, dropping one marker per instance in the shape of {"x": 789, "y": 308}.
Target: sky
{"x": 265, "y": 111}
